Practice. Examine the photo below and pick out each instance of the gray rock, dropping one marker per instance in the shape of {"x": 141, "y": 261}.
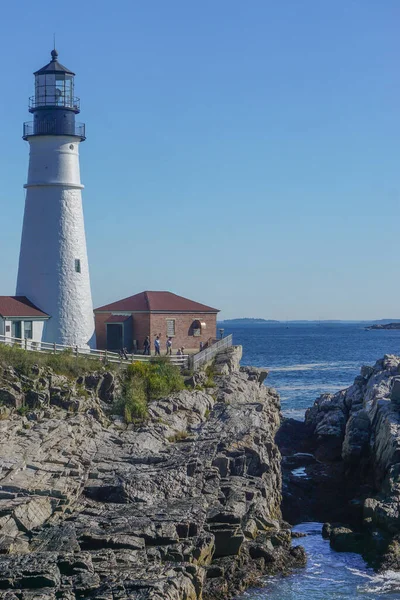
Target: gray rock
{"x": 171, "y": 508}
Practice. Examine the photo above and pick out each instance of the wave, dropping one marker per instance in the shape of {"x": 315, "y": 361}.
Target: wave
{"x": 379, "y": 584}
{"x": 298, "y": 414}
{"x": 311, "y": 386}
{"x": 324, "y": 366}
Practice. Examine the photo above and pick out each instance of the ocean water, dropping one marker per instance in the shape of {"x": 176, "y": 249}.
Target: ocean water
{"x": 305, "y": 361}
{"x": 328, "y": 575}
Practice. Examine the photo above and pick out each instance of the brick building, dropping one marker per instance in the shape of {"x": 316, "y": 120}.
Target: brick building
{"x": 127, "y": 322}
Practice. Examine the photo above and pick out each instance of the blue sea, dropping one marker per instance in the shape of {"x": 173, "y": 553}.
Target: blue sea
{"x": 304, "y": 361}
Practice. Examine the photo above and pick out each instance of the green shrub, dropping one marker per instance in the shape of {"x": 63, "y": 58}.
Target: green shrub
{"x": 160, "y": 378}
{"x": 187, "y": 372}
{"x": 145, "y": 381}
{"x": 133, "y": 404}
{"x": 163, "y": 371}
{"x": 210, "y": 372}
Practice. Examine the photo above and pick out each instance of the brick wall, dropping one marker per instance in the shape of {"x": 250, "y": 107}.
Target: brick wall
{"x": 183, "y": 330}
{"x": 101, "y": 333}
{"x": 141, "y": 328}
{"x": 153, "y": 324}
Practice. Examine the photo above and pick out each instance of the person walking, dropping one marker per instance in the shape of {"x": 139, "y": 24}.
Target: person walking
{"x": 169, "y": 346}
{"x": 146, "y": 346}
{"x": 157, "y": 346}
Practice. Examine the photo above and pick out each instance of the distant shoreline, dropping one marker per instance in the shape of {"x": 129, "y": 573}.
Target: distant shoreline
{"x": 372, "y": 324}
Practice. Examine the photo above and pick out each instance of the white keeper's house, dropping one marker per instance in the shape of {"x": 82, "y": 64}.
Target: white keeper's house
{"x": 53, "y": 301}
{"x": 19, "y": 318}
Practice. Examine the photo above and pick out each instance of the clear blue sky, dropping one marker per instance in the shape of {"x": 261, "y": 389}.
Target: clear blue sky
{"x": 243, "y": 154}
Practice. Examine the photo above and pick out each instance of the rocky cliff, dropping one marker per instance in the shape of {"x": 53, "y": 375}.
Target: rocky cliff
{"x": 184, "y": 505}
{"x": 357, "y": 431}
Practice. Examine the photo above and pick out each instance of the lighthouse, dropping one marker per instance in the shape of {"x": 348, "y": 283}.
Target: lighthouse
{"x": 53, "y": 270}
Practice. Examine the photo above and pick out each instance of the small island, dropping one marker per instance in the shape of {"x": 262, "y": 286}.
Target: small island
{"x": 384, "y": 326}
{"x": 248, "y": 320}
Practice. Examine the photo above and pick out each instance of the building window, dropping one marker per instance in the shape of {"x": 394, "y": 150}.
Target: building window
{"x": 170, "y": 327}
{"x": 198, "y": 327}
{"x": 28, "y": 330}
{"x": 78, "y": 265}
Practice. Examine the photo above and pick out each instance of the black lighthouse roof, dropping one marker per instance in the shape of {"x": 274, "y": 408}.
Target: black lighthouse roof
{"x": 54, "y": 66}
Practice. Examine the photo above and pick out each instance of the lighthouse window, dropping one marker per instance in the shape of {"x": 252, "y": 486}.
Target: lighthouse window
{"x": 78, "y": 265}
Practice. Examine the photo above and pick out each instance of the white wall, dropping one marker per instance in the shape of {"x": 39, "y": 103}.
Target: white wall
{"x": 53, "y": 237}
{"x": 37, "y": 328}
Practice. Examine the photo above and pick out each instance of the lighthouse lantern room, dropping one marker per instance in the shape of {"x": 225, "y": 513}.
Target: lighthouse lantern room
{"x": 54, "y": 105}
{"x": 53, "y": 270}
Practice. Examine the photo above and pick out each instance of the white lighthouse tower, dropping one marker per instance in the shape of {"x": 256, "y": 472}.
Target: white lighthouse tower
{"x": 53, "y": 268}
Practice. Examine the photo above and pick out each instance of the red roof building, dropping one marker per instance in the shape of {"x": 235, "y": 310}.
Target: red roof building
{"x": 19, "y": 306}
{"x": 127, "y": 322}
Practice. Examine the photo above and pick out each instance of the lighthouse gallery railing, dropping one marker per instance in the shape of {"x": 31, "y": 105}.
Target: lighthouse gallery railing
{"x": 53, "y": 127}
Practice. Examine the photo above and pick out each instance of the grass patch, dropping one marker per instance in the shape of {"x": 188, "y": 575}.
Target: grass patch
{"x": 159, "y": 377}
{"x": 133, "y": 403}
{"x": 63, "y": 363}
{"x": 209, "y": 383}
{"x": 145, "y": 381}
{"x": 210, "y": 372}
{"x": 179, "y": 436}
{"x": 187, "y": 372}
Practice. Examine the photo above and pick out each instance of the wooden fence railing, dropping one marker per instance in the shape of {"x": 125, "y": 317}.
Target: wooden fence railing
{"x": 103, "y": 355}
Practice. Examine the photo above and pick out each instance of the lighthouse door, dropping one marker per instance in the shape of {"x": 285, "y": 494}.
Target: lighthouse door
{"x": 115, "y": 336}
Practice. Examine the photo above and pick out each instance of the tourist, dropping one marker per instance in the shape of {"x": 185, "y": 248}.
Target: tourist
{"x": 169, "y": 346}
{"x": 179, "y": 353}
{"x": 157, "y": 346}
{"x": 146, "y": 346}
{"x": 201, "y": 346}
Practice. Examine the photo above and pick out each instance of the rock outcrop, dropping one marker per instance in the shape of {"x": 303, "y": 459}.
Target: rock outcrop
{"x": 359, "y": 430}
{"x": 183, "y": 506}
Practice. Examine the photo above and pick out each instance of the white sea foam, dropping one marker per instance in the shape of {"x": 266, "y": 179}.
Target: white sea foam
{"x": 380, "y": 584}
{"x": 323, "y": 366}
{"x": 310, "y": 386}
{"x": 300, "y": 472}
